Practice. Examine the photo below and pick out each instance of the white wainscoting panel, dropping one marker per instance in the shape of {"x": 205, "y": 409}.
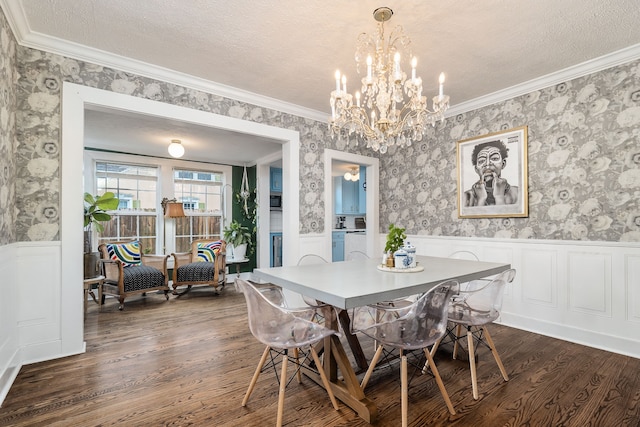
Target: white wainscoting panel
{"x": 632, "y": 275}
{"x": 538, "y": 277}
{"x": 39, "y": 300}
{"x": 583, "y": 292}
{"x": 9, "y": 348}
{"x": 589, "y": 283}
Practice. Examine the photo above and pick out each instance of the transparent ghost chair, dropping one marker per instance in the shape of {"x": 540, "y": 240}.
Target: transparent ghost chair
{"x": 407, "y": 329}
{"x": 473, "y": 309}
{"x": 281, "y": 330}
{"x": 356, "y": 255}
{"x": 310, "y": 259}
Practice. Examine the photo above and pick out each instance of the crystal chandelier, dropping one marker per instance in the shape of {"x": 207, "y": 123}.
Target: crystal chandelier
{"x": 382, "y": 116}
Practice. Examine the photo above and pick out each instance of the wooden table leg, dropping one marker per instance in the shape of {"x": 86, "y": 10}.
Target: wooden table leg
{"x": 348, "y": 388}
{"x": 352, "y": 339}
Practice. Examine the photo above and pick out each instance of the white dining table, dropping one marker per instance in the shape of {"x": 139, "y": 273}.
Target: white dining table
{"x": 350, "y": 284}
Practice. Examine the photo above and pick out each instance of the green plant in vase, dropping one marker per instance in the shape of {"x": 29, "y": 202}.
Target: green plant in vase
{"x": 95, "y": 213}
{"x": 395, "y": 240}
{"x": 239, "y": 237}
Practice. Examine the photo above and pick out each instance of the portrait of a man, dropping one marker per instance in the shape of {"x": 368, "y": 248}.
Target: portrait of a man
{"x": 492, "y": 175}
{"x": 489, "y": 158}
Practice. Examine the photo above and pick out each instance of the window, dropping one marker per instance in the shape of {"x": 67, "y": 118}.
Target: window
{"x": 136, "y": 188}
{"x": 201, "y": 195}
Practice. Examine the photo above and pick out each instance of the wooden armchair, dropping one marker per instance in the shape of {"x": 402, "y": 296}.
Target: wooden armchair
{"x": 205, "y": 264}
{"x": 127, "y": 271}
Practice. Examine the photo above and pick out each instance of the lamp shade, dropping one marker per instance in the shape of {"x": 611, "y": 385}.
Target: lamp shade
{"x": 174, "y": 210}
{"x": 175, "y": 148}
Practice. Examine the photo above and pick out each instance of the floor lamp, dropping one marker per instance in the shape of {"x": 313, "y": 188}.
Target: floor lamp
{"x": 171, "y": 208}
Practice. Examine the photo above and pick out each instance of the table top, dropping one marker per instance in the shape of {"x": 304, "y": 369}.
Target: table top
{"x": 356, "y": 283}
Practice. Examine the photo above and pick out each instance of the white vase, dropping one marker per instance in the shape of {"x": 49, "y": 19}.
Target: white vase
{"x": 239, "y": 252}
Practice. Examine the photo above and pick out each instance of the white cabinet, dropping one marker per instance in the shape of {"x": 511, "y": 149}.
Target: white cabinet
{"x": 354, "y": 242}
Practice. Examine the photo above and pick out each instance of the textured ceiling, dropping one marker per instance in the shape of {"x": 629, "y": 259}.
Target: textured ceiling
{"x": 289, "y": 50}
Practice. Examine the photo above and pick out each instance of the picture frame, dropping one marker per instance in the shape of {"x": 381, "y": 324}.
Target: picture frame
{"x": 492, "y": 175}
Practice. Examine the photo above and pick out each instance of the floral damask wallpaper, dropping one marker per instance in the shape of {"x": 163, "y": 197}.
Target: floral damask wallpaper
{"x": 583, "y": 161}
{"x": 584, "y": 154}
{"x": 8, "y": 77}
{"x": 41, "y": 77}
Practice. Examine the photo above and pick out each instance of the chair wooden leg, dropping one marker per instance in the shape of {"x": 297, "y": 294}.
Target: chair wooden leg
{"x": 495, "y": 354}
{"x": 404, "y": 389}
{"x": 283, "y": 385}
{"x": 443, "y": 390}
{"x": 472, "y": 363}
{"x": 455, "y": 342}
{"x": 323, "y": 376}
{"x": 296, "y": 355}
{"x": 433, "y": 350}
{"x": 372, "y": 365}
{"x": 263, "y": 359}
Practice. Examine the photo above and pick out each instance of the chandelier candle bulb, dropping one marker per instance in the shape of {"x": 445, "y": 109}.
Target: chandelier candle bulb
{"x": 357, "y": 102}
{"x": 414, "y": 62}
{"x": 441, "y": 85}
{"x": 344, "y": 84}
{"x": 337, "y": 82}
{"x": 396, "y": 60}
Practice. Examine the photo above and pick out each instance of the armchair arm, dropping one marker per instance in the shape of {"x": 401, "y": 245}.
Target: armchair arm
{"x": 113, "y": 273}
{"x": 181, "y": 258}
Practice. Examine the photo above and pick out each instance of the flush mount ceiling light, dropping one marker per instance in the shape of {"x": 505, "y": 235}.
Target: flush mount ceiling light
{"x": 176, "y": 149}
{"x": 383, "y": 117}
{"x": 353, "y": 175}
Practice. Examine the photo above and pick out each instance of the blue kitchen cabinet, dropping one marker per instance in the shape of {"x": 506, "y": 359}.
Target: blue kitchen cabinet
{"x": 347, "y": 198}
{"x": 276, "y": 179}
{"x": 276, "y": 250}
{"x": 337, "y": 246}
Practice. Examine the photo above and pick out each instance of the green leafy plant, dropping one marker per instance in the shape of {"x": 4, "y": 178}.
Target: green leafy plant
{"x": 395, "y": 238}
{"x": 237, "y": 234}
{"x": 96, "y": 207}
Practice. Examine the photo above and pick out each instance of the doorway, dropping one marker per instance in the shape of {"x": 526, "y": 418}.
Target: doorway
{"x": 371, "y": 168}
{"x": 77, "y": 98}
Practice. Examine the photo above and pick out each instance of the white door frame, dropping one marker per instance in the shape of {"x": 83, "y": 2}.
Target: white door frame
{"x": 373, "y": 196}
{"x": 75, "y": 99}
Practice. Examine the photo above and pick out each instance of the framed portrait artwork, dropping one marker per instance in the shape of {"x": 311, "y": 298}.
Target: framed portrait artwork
{"x": 492, "y": 175}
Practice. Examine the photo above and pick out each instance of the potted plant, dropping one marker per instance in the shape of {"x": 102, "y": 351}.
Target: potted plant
{"x": 95, "y": 212}
{"x": 239, "y": 238}
{"x": 395, "y": 239}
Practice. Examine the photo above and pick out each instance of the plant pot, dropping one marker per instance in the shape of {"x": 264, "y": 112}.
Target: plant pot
{"x": 87, "y": 241}
{"x": 239, "y": 252}
{"x": 91, "y": 265}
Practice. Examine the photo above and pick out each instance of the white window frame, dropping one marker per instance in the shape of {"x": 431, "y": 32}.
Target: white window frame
{"x": 165, "y": 185}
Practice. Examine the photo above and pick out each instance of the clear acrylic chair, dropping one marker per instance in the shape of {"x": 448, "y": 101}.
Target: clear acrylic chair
{"x": 280, "y": 330}
{"x": 410, "y": 328}
{"x": 310, "y": 259}
{"x": 355, "y": 255}
{"x": 473, "y": 309}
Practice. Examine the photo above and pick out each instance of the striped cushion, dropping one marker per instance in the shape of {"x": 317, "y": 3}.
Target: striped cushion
{"x": 127, "y": 253}
{"x": 207, "y": 251}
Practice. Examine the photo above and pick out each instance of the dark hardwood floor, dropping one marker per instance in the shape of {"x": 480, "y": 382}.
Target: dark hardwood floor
{"x": 188, "y": 362}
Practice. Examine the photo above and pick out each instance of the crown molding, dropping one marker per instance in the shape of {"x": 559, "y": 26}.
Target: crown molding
{"x": 609, "y": 60}
{"x": 25, "y": 37}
